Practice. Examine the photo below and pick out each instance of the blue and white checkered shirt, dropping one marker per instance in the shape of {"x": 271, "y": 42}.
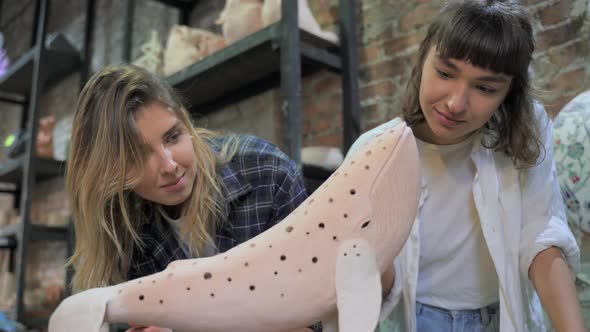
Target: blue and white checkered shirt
{"x": 261, "y": 187}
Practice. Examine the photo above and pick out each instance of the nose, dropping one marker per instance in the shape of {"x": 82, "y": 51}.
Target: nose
{"x": 457, "y": 101}
{"x": 167, "y": 163}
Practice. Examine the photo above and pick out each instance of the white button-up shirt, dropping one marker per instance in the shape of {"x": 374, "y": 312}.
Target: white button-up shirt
{"x": 521, "y": 214}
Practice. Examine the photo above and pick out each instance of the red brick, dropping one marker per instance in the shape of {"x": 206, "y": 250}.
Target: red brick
{"x": 381, "y": 89}
{"x": 321, "y": 124}
{"x": 401, "y": 43}
{"x": 420, "y": 16}
{"x": 568, "y": 82}
{"x": 330, "y": 104}
{"x": 387, "y": 69}
{"x": 564, "y": 56}
{"x": 559, "y": 35}
{"x": 329, "y": 140}
{"x": 556, "y": 12}
{"x": 369, "y": 53}
{"x": 328, "y": 84}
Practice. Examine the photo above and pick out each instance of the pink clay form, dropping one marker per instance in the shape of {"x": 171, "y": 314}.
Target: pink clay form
{"x": 322, "y": 262}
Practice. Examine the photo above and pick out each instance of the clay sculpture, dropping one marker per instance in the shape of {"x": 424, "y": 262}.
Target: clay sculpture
{"x": 240, "y": 18}
{"x": 187, "y": 45}
{"x": 322, "y": 262}
{"x": 271, "y": 13}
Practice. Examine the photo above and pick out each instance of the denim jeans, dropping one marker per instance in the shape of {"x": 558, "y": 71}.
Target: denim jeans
{"x": 433, "y": 319}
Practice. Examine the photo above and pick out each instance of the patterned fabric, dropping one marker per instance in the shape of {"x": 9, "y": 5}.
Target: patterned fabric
{"x": 572, "y": 158}
{"x": 261, "y": 186}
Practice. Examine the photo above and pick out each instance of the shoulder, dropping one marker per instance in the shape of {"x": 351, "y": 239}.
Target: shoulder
{"x": 254, "y": 157}
{"x": 368, "y": 135}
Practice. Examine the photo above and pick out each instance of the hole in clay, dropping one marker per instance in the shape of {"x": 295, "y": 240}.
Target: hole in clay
{"x": 225, "y": 257}
{"x": 312, "y": 200}
{"x": 270, "y": 245}
{"x": 321, "y": 225}
{"x": 246, "y": 264}
{"x": 345, "y": 254}
{"x": 276, "y": 273}
{"x": 139, "y": 282}
{"x": 283, "y": 257}
{"x": 252, "y": 245}
{"x": 352, "y": 191}
{"x": 120, "y": 291}
{"x": 368, "y": 153}
{"x": 207, "y": 275}
{"x": 354, "y": 246}
{"x": 305, "y": 213}
{"x": 345, "y": 174}
{"x": 314, "y": 260}
{"x": 252, "y": 287}
{"x": 153, "y": 281}
{"x": 282, "y": 295}
{"x": 161, "y": 301}
{"x": 289, "y": 229}
{"x": 170, "y": 275}
{"x": 358, "y": 255}
{"x": 306, "y": 233}
{"x": 212, "y": 295}
{"x": 331, "y": 200}
{"x": 366, "y": 223}
{"x": 141, "y": 297}
{"x": 352, "y": 162}
{"x": 300, "y": 270}
{"x": 188, "y": 288}
{"x": 228, "y": 279}
{"x": 384, "y": 148}
{"x": 367, "y": 167}
{"x": 334, "y": 238}
{"x": 346, "y": 215}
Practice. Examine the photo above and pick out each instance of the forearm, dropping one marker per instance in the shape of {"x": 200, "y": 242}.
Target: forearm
{"x": 553, "y": 281}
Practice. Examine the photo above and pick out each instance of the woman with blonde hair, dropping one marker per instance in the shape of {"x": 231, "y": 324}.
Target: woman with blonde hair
{"x": 147, "y": 188}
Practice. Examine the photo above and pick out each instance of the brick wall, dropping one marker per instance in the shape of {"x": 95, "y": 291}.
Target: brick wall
{"x": 389, "y": 32}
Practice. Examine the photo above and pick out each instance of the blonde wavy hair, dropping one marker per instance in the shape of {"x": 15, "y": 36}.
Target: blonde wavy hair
{"x": 106, "y": 147}
{"x": 496, "y": 35}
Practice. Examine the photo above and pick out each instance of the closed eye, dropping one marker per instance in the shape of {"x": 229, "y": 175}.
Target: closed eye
{"x": 443, "y": 74}
{"x": 486, "y": 90}
{"x": 173, "y": 137}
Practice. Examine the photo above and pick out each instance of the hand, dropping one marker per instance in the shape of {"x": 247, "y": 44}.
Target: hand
{"x": 137, "y": 328}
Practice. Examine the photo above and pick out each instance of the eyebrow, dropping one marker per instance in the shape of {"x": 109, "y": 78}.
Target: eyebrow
{"x": 174, "y": 127}
{"x": 489, "y": 78}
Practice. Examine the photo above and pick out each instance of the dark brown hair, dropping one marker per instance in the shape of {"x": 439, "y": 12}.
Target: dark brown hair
{"x": 495, "y": 35}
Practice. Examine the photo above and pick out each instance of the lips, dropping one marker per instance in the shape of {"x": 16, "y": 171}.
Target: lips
{"x": 449, "y": 117}
{"x": 173, "y": 183}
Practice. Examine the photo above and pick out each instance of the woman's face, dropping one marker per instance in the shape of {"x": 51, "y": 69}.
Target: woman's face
{"x": 457, "y": 98}
{"x": 169, "y": 172}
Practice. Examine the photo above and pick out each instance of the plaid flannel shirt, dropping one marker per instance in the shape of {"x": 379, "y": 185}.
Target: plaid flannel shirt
{"x": 261, "y": 187}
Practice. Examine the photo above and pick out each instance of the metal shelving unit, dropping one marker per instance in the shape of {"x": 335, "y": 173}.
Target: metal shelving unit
{"x": 50, "y": 59}
{"x": 276, "y": 56}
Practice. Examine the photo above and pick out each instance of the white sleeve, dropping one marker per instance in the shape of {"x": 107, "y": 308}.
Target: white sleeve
{"x": 391, "y": 300}
{"x": 544, "y": 222}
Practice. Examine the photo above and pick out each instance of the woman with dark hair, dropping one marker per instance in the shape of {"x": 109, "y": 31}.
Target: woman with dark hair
{"x": 491, "y": 236}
